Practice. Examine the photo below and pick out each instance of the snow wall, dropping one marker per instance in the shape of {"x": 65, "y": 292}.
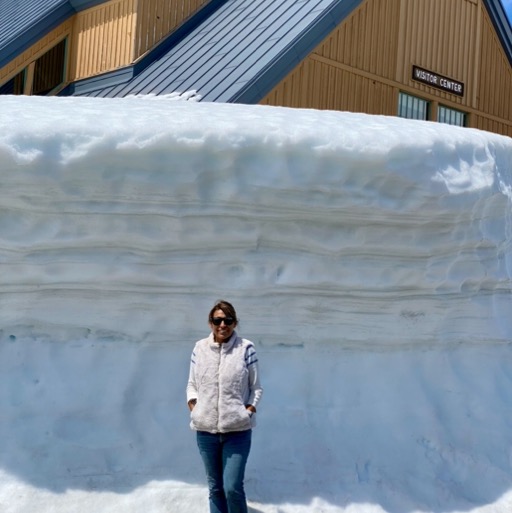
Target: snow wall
{"x": 369, "y": 259}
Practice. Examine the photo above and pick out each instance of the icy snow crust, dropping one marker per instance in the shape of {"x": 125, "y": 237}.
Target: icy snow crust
{"x": 370, "y": 259}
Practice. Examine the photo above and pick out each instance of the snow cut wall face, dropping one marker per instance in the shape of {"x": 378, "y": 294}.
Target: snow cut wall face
{"x": 350, "y": 228}
{"x": 369, "y": 259}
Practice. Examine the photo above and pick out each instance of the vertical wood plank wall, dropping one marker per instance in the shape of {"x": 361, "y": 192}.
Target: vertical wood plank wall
{"x": 441, "y": 36}
{"x": 102, "y": 38}
{"x": 364, "y": 64}
{"x": 342, "y": 72}
{"x": 156, "y": 19}
{"x": 118, "y": 32}
{"x": 495, "y": 77}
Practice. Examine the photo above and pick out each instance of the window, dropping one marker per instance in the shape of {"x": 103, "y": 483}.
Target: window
{"x": 15, "y": 85}
{"x": 411, "y": 107}
{"x": 451, "y": 116}
{"x": 42, "y": 76}
{"x": 49, "y": 70}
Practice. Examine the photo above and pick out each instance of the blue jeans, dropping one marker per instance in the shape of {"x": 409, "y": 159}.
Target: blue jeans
{"x": 225, "y": 456}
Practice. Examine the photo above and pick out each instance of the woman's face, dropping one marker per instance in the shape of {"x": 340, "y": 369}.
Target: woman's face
{"x": 223, "y": 331}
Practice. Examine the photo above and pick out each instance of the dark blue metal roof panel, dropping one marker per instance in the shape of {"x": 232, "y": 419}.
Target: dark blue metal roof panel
{"x": 327, "y": 20}
{"x": 20, "y": 21}
{"x": 243, "y": 48}
{"x": 235, "y": 45}
{"x": 24, "y": 22}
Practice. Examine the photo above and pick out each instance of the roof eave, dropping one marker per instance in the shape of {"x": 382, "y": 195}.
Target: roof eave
{"x": 258, "y": 87}
{"x": 30, "y": 36}
{"x": 51, "y": 20}
{"x": 90, "y": 84}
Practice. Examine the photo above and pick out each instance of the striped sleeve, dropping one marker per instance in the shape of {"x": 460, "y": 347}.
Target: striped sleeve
{"x": 191, "y": 384}
{"x": 255, "y": 389}
{"x": 250, "y": 356}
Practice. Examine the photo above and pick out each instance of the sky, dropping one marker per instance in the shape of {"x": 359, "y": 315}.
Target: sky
{"x": 369, "y": 259}
{"x": 508, "y": 8}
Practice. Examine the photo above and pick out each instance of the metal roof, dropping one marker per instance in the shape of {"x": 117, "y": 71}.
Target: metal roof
{"x": 241, "y": 49}
{"x": 230, "y": 51}
{"x": 236, "y": 54}
{"x": 24, "y": 22}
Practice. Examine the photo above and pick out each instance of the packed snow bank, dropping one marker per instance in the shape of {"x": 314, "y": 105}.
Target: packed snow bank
{"x": 370, "y": 259}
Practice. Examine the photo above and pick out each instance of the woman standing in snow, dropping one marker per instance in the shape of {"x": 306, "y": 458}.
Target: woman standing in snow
{"x": 223, "y": 391}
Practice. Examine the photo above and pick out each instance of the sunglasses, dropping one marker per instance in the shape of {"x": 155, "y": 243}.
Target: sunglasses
{"x": 228, "y": 321}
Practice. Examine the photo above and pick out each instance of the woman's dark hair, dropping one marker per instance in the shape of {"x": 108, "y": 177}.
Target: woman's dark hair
{"x": 226, "y": 307}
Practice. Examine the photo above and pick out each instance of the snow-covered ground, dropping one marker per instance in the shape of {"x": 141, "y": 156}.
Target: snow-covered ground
{"x": 369, "y": 258}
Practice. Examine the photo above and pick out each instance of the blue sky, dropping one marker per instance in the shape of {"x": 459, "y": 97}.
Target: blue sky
{"x": 508, "y": 7}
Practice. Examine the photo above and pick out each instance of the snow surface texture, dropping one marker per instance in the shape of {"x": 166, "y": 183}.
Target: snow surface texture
{"x": 369, "y": 258}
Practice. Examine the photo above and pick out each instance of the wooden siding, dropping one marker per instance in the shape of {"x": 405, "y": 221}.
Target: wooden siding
{"x": 291, "y": 92}
{"x": 367, "y": 40}
{"x": 103, "y": 38}
{"x": 156, "y": 19}
{"x": 495, "y": 77}
{"x": 117, "y": 33}
{"x": 320, "y": 85}
{"x": 441, "y": 36}
{"x": 34, "y": 52}
{"x": 352, "y": 69}
{"x": 364, "y": 63}
{"x": 491, "y": 125}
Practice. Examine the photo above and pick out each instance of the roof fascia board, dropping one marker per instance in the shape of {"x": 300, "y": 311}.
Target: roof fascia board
{"x": 29, "y": 37}
{"x": 109, "y": 79}
{"x": 261, "y": 85}
{"x": 257, "y": 88}
{"x": 501, "y": 25}
{"x": 82, "y": 5}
